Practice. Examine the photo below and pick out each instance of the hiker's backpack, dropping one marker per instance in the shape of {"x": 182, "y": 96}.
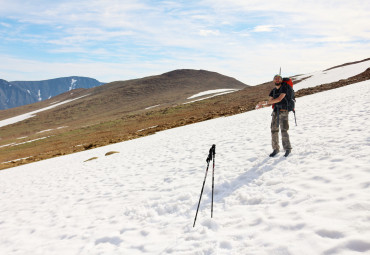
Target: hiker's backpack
{"x": 290, "y": 96}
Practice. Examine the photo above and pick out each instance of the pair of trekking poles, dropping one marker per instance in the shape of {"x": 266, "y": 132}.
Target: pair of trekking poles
{"x": 211, "y": 156}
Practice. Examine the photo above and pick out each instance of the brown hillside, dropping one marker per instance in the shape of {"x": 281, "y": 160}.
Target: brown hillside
{"x": 86, "y": 133}
{"x": 122, "y": 97}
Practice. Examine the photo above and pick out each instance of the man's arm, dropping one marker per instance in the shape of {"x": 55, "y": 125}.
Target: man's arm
{"x": 276, "y": 100}
{"x": 271, "y": 101}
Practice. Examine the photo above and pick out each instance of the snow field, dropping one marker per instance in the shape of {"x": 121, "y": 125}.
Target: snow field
{"x": 214, "y": 91}
{"x": 333, "y": 75}
{"x": 143, "y": 200}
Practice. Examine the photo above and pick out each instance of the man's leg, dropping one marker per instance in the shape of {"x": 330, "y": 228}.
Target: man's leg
{"x": 284, "y": 126}
{"x": 275, "y": 132}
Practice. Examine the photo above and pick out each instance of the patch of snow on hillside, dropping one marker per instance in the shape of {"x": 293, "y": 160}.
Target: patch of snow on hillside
{"x": 32, "y": 114}
{"x": 214, "y": 91}
{"x": 30, "y": 141}
{"x": 73, "y": 84}
{"x": 143, "y": 200}
{"x": 336, "y": 74}
{"x": 7, "y": 145}
{"x": 39, "y": 95}
{"x": 51, "y": 129}
{"x": 150, "y": 107}
{"x": 147, "y": 128}
{"x": 218, "y": 94}
{"x": 15, "y": 160}
{"x": 43, "y": 131}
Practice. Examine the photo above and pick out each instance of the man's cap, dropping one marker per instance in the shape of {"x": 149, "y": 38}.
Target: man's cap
{"x": 278, "y": 76}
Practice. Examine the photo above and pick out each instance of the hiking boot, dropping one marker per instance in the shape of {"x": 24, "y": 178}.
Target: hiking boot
{"x": 273, "y": 154}
{"x": 287, "y": 152}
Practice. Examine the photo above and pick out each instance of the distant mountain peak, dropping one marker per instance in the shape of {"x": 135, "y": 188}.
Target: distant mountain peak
{"x": 186, "y": 72}
{"x": 18, "y": 93}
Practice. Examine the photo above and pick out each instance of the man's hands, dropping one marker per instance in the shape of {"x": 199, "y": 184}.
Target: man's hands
{"x": 261, "y": 104}
{"x": 271, "y": 101}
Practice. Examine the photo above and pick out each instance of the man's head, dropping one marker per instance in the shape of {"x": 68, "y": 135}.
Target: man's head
{"x": 278, "y": 80}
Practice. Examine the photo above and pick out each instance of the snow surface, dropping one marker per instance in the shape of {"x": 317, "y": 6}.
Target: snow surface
{"x": 30, "y": 141}
{"x": 15, "y": 160}
{"x": 39, "y": 95}
{"x": 214, "y": 91}
{"x": 150, "y": 107}
{"x": 32, "y": 114}
{"x": 214, "y": 95}
{"x": 50, "y": 129}
{"x": 140, "y": 130}
{"x": 143, "y": 199}
{"x": 73, "y": 84}
{"x": 43, "y": 131}
{"x": 333, "y": 75}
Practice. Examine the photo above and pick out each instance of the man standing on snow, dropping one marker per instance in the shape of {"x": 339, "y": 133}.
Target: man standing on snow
{"x": 280, "y": 116}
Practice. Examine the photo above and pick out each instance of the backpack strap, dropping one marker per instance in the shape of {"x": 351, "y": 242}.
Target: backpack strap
{"x": 278, "y": 117}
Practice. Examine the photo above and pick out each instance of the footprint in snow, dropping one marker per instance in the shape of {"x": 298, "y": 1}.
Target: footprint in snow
{"x": 332, "y": 234}
{"x": 115, "y": 240}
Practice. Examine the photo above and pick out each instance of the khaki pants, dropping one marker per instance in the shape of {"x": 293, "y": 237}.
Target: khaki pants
{"x": 284, "y": 126}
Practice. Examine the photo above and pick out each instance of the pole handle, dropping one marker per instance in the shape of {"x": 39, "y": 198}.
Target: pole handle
{"x": 211, "y": 153}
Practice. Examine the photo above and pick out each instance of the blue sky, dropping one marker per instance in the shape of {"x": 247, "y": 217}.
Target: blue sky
{"x": 118, "y": 40}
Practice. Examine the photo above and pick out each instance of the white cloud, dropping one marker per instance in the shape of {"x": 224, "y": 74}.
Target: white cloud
{"x": 324, "y": 18}
{"x": 266, "y": 28}
{"x": 5, "y": 24}
{"x": 204, "y": 32}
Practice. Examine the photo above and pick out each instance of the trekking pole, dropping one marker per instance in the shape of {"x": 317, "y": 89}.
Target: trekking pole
{"x": 295, "y": 118}
{"x": 213, "y": 175}
{"x": 209, "y": 158}
{"x": 200, "y": 197}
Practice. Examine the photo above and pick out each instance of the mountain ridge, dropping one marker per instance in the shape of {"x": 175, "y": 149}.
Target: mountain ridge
{"x": 19, "y": 93}
{"x": 128, "y": 96}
